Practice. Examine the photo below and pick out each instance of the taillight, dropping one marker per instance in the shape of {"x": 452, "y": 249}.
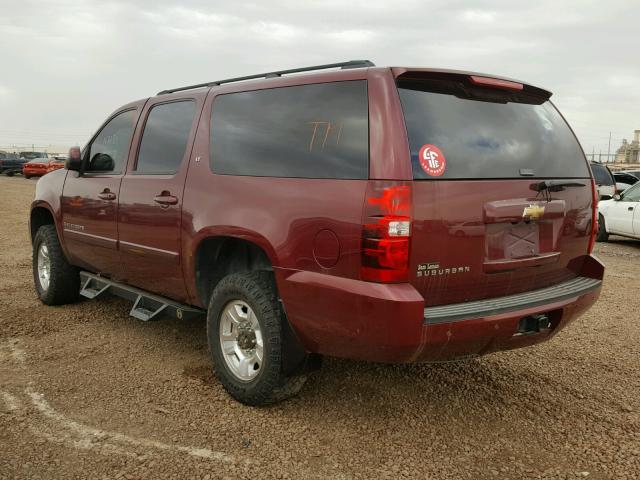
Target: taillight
{"x": 594, "y": 216}
{"x": 386, "y": 232}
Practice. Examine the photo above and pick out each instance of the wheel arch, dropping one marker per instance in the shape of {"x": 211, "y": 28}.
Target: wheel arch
{"x": 217, "y": 256}
{"x": 41, "y": 214}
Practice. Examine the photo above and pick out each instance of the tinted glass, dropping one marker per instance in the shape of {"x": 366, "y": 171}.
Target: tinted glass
{"x": 165, "y": 137}
{"x": 601, "y": 174}
{"x": 112, "y": 142}
{"x": 307, "y": 131}
{"x": 481, "y": 139}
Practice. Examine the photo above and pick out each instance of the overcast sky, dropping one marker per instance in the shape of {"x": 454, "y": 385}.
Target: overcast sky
{"x": 65, "y": 65}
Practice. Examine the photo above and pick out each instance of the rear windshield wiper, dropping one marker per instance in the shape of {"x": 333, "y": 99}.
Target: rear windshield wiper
{"x": 554, "y": 185}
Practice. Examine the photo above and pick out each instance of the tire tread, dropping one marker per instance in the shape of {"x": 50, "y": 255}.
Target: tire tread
{"x": 259, "y": 290}
{"x": 64, "y": 284}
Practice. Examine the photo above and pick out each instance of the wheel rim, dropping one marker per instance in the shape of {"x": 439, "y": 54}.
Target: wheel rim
{"x": 44, "y": 266}
{"x": 241, "y": 340}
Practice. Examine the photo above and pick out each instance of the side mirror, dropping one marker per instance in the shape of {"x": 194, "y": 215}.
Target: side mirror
{"x": 74, "y": 162}
{"x": 617, "y": 197}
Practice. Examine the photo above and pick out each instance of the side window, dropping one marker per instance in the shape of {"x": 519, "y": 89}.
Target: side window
{"x": 165, "y": 137}
{"x": 632, "y": 194}
{"x": 306, "y": 131}
{"x": 108, "y": 151}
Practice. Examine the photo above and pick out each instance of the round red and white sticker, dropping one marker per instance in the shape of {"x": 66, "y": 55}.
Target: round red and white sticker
{"x": 432, "y": 160}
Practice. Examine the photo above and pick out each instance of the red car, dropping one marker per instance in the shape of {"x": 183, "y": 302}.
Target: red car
{"x": 318, "y": 214}
{"x": 35, "y": 168}
{"x": 41, "y": 166}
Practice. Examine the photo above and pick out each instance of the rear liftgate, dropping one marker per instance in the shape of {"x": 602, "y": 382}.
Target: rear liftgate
{"x": 145, "y": 307}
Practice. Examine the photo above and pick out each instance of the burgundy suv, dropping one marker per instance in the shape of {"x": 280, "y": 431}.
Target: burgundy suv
{"x": 382, "y": 214}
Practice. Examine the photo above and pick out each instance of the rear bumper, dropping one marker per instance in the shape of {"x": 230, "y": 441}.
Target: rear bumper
{"x": 388, "y": 323}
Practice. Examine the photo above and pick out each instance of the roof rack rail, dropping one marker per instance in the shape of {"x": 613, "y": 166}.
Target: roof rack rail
{"x": 342, "y": 65}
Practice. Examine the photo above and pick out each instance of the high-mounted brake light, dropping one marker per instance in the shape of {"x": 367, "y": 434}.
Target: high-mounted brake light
{"x": 495, "y": 83}
{"x": 594, "y": 216}
{"x": 386, "y": 232}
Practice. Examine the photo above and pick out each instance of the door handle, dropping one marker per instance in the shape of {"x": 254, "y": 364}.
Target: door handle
{"x": 165, "y": 199}
{"x": 106, "y": 194}
{"x": 630, "y": 209}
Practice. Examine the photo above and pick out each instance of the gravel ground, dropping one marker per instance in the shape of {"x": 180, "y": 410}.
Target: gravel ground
{"x": 88, "y": 392}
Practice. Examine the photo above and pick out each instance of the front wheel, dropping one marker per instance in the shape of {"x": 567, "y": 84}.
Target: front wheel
{"x": 602, "y": 235}
{"x": 244, "y": 329}
{"x": 57, "y": 281}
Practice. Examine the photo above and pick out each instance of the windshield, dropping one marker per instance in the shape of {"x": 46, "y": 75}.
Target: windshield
{"x": 458, "y": 138}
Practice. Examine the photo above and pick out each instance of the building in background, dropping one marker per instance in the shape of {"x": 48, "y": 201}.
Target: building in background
{"x": 629, "y": 152}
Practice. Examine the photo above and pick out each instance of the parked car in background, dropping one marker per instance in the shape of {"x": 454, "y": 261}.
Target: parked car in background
{"x": 268, "y": 206}
{"x": 620, "y": 215}
{"x": 56, "y": 163}
{"x": 624, "y": 180}
{"x": 35, "y": 168}
{"x": 12, "y": 164}
{"x": 635, "y": 173}
{"x": 604, "y": 180}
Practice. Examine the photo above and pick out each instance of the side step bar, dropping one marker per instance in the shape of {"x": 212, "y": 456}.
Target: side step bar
{"x": 146, "y": 306}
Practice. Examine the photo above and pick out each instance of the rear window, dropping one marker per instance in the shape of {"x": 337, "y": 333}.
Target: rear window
{"x": 306, "y": 131}
{"x": 601, "y": 174}
{"x": 460, "y": 138}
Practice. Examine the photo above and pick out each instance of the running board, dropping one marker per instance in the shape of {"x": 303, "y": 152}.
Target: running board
{"x": 146, "y": 306}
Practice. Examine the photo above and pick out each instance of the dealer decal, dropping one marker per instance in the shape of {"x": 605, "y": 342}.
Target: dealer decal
{"x": 432, "y": 160}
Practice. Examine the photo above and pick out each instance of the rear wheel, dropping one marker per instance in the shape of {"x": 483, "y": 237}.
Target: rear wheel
{"x": 602, "y": 235}
{"x": 27, "y": 177}
{"x": 244, "y": 329}
{"x": 57, "y": 281}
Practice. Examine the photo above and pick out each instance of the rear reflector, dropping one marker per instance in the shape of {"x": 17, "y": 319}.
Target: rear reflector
{"x": 386, "y": 232}
{"x": 594, "y": 216}
{"x": 495, "y": 83}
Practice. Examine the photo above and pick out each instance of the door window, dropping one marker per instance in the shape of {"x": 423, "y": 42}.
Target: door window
{"x": 632, "y": 194}
{"x": 108, "y": 151}
{"x": 165, "y": 137}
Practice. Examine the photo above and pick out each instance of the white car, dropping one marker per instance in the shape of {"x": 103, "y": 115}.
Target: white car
{"x": 620, "y": 215}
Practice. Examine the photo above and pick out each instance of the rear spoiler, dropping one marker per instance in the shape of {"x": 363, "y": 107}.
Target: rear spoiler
{"x": 470, "y": 85}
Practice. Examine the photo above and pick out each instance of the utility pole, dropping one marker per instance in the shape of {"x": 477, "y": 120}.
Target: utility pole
{"x": 609, "y": 148}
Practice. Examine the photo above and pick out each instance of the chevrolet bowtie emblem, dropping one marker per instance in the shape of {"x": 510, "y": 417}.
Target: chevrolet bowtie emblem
{"x": 533, "y": 211}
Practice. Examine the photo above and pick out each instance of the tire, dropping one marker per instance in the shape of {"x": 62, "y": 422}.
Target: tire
{"x": 9, "y": 174}
{"x": 602, "y": 235}
{"x": 27, "y": 177}
{"x": 63, "y": 279}
{"x": 238, "y": 293}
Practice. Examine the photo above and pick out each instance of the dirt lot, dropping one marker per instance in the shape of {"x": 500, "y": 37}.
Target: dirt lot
{"x": 88, "y": 392}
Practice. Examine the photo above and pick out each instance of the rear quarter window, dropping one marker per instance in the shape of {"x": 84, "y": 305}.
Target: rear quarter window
{"x": 306, "y": 131}
{"x": 482, "y": 139}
